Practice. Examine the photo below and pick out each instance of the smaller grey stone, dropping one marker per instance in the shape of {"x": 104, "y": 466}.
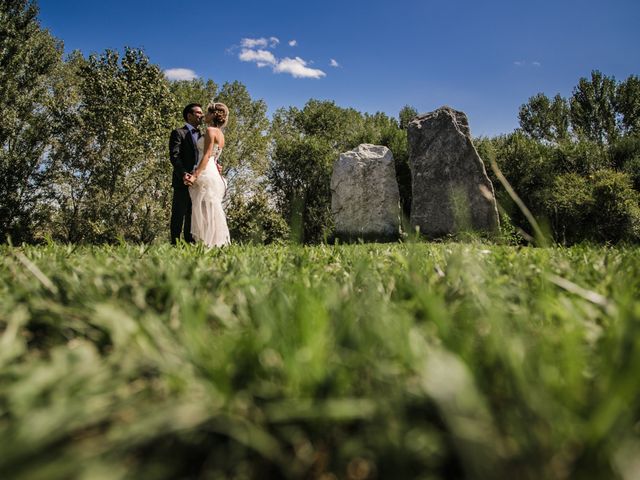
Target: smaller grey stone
{"x": 365, "y": 201}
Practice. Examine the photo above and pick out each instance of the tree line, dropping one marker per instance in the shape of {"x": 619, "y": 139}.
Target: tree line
{"x": 84, "y": 150}
{"x": 576, "y": 161}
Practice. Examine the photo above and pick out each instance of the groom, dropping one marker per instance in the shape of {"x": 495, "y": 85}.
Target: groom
{"x": 183, "y": 154}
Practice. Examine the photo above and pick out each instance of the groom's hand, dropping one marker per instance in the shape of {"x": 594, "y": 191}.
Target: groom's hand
{"x": 219, "y": 168}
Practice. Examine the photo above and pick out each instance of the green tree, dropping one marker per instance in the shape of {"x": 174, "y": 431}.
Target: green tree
{"x": 110, "y": 152}
{"x": 343, "y": 128}
{"x": 593, "y": 108}
{"x": 247, "y": 137}
{"x": 395, "y": 138}
{"x": 599, "y": 110}
{"x": 407, "y": 113}
{"x": 185, "y": 92}
{"x": 29, "y": 56}
{"x": 583, "y": 157}
{"x": 528, "y": 165}
{"x": 628, "y": 104}
{"x": 380, "y": 129}
{"x": 300, "y": 175}
{"x": 545, "y": 119}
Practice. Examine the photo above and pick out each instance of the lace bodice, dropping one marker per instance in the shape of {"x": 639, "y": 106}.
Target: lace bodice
{"x": 215, "y": 153}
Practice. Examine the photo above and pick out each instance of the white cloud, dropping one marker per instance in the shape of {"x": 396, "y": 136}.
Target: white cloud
{"x": 522, "y": 63}
{"x": 297, "y": 67}
{"x": 255, "y": 50}
{"x": 333, "y": 63}
{"x": 261, "y": 57}
{"x": 180, "y": 74}
{"x": 251, "y": 43}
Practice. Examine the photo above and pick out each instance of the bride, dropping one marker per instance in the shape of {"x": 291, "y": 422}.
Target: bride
{"x": 208, "y": 221}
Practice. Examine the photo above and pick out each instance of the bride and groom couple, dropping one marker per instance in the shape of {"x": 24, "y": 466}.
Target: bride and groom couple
{"x": 198, "y": 185}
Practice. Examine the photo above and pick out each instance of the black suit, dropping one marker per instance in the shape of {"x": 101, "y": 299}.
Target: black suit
{"x": 184, "y": 156}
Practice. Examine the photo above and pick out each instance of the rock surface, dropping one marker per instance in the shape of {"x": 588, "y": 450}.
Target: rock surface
{"x": 450, "y": 187}
{"x": 365, "y": 201}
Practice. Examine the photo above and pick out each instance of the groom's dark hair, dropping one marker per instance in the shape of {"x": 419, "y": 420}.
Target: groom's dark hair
{"x": 187, "y": 110}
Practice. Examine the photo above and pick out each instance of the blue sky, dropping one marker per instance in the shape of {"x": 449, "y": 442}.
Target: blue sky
{"x": 483, "y": 57}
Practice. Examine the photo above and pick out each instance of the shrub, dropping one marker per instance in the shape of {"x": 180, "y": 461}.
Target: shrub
{"x": 568, "y": 203}
{"x": 616, "y": 213}
{"x": 600, "y": 207}
{"x": 584, "y": 157}
{"x": 255, "y": 220}
{"x": 625, "y": 155}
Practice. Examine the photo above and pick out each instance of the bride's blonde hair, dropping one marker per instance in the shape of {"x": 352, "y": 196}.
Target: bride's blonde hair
{"x": 220, "y": 114}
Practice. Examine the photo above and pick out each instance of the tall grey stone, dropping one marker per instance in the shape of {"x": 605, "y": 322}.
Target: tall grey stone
{"x": 450, "y": 187}
{"x": 365, "y": 201}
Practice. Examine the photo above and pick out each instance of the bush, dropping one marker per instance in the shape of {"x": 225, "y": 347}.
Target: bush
{"x": 255, "y": 221}
{"x": 616, "y": 213}
{"x": 600, "y": 207}
{"x": 625, "y": 155}
{"x": 527, "y": 165}
{"x": 582, "y": 157}
{"x": 569, "y": 202}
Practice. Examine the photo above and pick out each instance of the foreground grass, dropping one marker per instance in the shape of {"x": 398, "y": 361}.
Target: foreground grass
{"x": 366, "y": 361}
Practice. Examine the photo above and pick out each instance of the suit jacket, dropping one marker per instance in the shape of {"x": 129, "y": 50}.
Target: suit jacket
{"x": 183, "y": 155}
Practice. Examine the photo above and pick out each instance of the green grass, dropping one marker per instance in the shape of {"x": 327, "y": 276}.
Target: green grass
{"x": 359, "y": 361}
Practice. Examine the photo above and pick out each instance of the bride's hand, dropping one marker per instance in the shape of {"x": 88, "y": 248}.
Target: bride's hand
{"x": 189, "y": 179}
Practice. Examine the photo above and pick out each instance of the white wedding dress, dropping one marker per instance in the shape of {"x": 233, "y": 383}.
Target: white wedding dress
{"x": 208, "y": 221}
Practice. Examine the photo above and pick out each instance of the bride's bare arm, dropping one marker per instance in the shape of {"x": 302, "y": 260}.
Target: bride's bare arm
{"x": 220, "y": 141}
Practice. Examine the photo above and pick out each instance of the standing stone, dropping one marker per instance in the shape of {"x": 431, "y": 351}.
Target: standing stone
{"x": 450, "y": 187}
{"x": 365, "y": 200}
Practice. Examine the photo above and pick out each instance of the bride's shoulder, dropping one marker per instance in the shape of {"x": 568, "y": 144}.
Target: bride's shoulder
{"x": 215, "y": 133}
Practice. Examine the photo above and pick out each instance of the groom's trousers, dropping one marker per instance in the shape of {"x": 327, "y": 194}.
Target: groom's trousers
{"x": 181, "y": 215}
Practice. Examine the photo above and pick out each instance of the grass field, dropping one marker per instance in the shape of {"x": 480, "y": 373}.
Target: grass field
{"x": 426, "y": 361}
